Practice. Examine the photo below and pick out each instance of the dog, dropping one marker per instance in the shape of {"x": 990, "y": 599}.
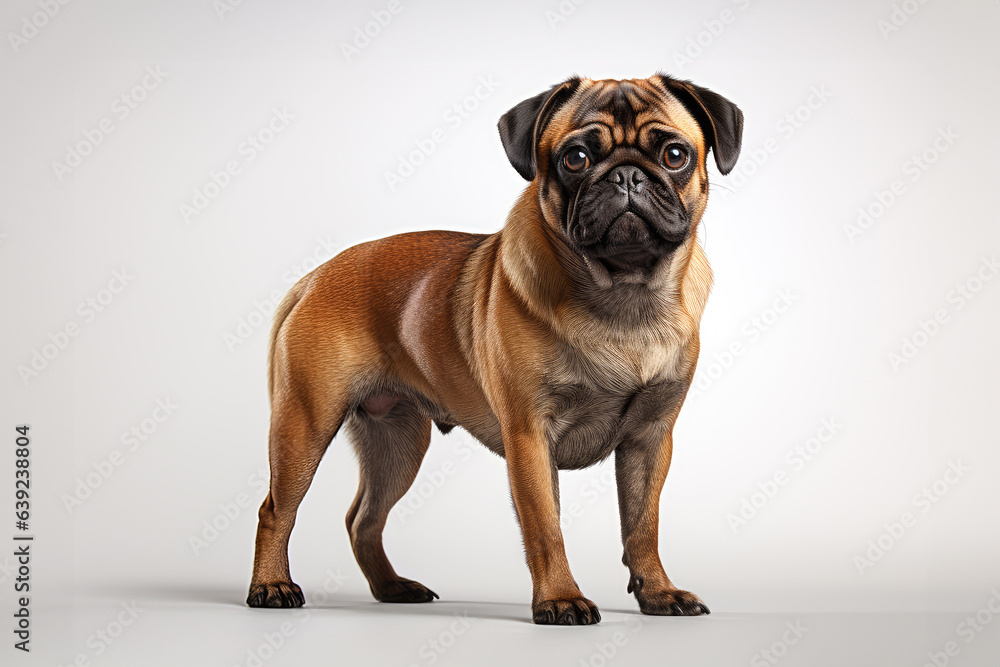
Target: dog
{"x": 570, "y": 335}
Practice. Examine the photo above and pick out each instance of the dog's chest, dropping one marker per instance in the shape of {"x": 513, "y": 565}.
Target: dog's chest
{"x": 596, "y": 401}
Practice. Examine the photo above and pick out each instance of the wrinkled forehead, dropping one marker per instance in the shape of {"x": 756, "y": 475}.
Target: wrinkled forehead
{"x": 623, "y": 112}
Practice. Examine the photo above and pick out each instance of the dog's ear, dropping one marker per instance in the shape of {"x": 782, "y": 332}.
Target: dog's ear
{"x": 721, "y": 121}
{"x": 522, "y": 126}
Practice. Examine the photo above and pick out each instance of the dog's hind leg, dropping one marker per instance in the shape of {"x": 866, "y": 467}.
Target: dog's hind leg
{"x": 297, "y": 443}
{"x": 390, "y": 437}
{"x": 308, "y": 404}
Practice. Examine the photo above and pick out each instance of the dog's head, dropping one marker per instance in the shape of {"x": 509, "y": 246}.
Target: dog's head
{"x": 620, "y": 166}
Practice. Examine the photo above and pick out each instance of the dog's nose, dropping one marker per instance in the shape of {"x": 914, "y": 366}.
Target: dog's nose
{"x": 627, "y": 177}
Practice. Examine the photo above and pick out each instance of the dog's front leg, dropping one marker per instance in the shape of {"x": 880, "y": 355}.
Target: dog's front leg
{"x": 556, "y": 599}
{"x": 640, "y": 469}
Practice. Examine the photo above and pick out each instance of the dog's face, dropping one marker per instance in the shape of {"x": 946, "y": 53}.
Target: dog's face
{"x": 621, "y": 165}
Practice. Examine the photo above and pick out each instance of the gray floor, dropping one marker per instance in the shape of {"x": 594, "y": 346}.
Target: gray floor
{"x": 206, "y": 627}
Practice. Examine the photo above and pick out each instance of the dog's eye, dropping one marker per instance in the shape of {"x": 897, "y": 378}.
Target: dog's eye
{"x": 576, "y": 159}
{"x": 676, "y": 156}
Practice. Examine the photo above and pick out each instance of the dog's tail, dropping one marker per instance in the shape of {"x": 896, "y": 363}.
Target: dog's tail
{"x": 284, "y": 308}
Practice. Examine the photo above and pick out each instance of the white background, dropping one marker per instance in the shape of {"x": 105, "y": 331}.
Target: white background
{"x": 777, "y": 225}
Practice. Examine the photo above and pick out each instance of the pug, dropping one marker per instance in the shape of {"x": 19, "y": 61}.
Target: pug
{"x": 568, "y": 336}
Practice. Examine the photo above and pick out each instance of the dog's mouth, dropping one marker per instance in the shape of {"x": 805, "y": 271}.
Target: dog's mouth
{"x": 629, "y": 259}
{"x": 631, "y": 245}
{"x": 627, "y": 237}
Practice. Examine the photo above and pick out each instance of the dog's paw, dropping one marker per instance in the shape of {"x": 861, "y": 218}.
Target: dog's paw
{"x": 405, "y": 590}
{"x": 281, "y": 595}
{"x": 670, "y": 602}
{"x": 574, "y": 611}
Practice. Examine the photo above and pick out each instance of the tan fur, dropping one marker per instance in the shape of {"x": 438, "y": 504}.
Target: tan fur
{"x": 284, "y": 308}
